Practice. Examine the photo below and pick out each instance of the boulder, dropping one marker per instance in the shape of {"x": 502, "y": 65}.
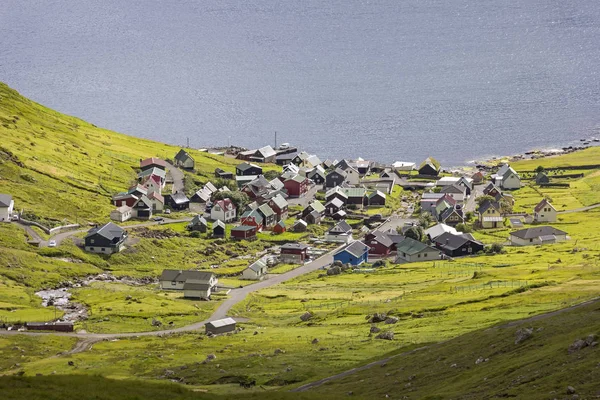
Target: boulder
{"x": 378, "y": 317}
{"x": 570, "y": 390}
{"x": 334, "y": 270}
{"x": 577, "y": 345}
{"x": 337, "y": 263}
{"x": 211, "y": 357}
{"x": 391, "y": 320}
{"x": 590, "y": 339}
{"x": 156, "y": 322}
{"x": 315, "y": 341}
{"x": 385, "y": 336}
{"x": 306, "y": 316}
{"x": 375, "y": 329}
{"x": 279, "y": 351}
{"x": 523, "y": 334}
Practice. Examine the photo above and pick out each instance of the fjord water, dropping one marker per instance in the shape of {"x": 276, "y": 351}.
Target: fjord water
{"x": 387, "y": 79}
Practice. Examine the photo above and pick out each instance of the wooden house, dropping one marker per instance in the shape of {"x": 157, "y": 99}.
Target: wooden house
{"x": 173, "y": 279}
{"x": 121, "y": 214}
{"x": 152, "y": 162}
{"x": 430, "y": 167}
{"x": 198, "y": 224}
{"x": 354, "y": 254}
{"x": 379, "y": 243}
{"x": 245, "y": 169}
{"x": 299, "y": 226}
{"x": 218, "y": 229}
{"x": 177, "y": 201}
{"x": 376, "y": 198}
{"x": 252, "y": 218}
{"x": 279, "y": 206}
{"x": 223, "y": 210}
{"x": 184, "y": 160}
{"x": 490, "y": 215}
{"x": 107, "y": 239}
{"x": 220, "y": 326}
{"x": 457, "y": 245}
{"x": 544, "y": 211}
{"x": 537, "y": 235}
{"x": 244, "y": 232}
{"x": 335, "y": 178}
{"x": 256, "y": 271}
{"x": 279, "y": 227}
{"x": 340, "y": 233}
{"x": 410, "y": 250}
{"x": 269, "y": 217}
{"x": 293, "y": 253}
{"x": 222, "y": 174}
{"x": 296, "y": 186}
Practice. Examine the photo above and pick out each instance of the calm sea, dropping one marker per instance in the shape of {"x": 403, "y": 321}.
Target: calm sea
{"x": 385, "y": 79}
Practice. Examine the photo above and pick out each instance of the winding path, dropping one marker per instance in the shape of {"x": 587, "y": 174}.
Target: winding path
{"x": 235, "y": 297}
{"x": 580, "y": 209}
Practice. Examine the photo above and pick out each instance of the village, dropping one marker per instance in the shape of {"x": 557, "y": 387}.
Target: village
{"x": 349, "y": 200}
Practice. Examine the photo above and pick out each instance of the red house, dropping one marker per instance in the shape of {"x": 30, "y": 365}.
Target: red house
{"x": 125, "y": 199}
{"x": 252, "y": 218}
{"x": 293, "y": 253}
{"x": 279, "y": 227}
{"x": 280, "y": 206}
{"x": 379, "y": 243}
{"x": 296, "y": 186}
{"x": 243, "y": 232}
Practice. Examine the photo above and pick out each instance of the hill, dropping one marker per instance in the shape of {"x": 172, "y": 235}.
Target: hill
{"x": 59, "y": 167}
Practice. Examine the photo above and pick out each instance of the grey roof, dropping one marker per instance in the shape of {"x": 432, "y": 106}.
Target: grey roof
{"x": 179, "y": 198}
{"x": 267, "y": 151}
{"x": 490, "y": 187}
{"x": 258, "y": 265}
{"x": 317, "y": 206}
{"x": 185, "y": 275}
{"x": 183, "y": 155}
{"x": 449, "y": 241}
{"x": 453, "y": 189}
{"x": 382, "y": 238}
{"x": 221, "y": 322}
{"x": 338, "y": 171}
{"x": 336, "y": 202}
{"x": 341, "y": 227}
{"x": 300, "y": 222}
{"x": 538, "y": 231}
{"x": 276, "y": 184}
{"x": 449, "y": 211}
{"x": 210, "y": 187}
{"x": 193, "y": 284}
{"x": 5, "y": 200}
{"x": 279, "y": 201}
{"x": 335, "y": 190}
{"x": 218, "y": 223}
{"x": 243, "y": 228}
{"x": 246, "y": 166}
{"x": 294, "y": 246}
{"x": 432, "y": 196}
{"x": 411, "y": 246}
{"x": 356, "y": 248}
{"x": 488, "y": 204}
{"x": 145, "y": 200}
{"x": 266, "y": 210}
{"x": 198, "y": 219}
{"x": 153, "y": 171}
{"x": 377, "y": 193}
{"x": 203, "y": 194}
{"x": 110, "y": 231}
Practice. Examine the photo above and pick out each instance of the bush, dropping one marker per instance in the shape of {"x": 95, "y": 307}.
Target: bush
{"x": 495, "y": 248}
{"x": 464, "y": 228}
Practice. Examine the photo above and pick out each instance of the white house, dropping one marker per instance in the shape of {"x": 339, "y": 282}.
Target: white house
{"x": 544, "y": 212}
{"x": 223, "y": 210}
{"x": 256, "y": 271}
{"x": 121, "y": 214}
{"x": 352, "y": 176}
{"x": 6, "y": 207}
{"x": 172, "y": 279}
{"x": 507, "y": 178}
{"x": 410, "y": 250}
{"x": 403, "y": 166}
{"x": 537, "y": 235}
{"x": 340, "y": 233}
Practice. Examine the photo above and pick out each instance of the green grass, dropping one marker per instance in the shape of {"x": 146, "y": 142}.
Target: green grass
{"x": 589, "y": 156}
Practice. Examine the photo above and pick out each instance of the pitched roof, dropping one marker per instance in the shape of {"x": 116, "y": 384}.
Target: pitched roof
{"x": 453, "y": 189}
{"x": 296, "y": 178}
{"x": 179, "y": 198}
{"x": 488, "y": 204}
{"x": 335, "y": 190}
{"x": 183, "y": 155}
{"x": 279, "y": 201}
{"x": 382, "y": 238}
{"x": 411, "y": 246}
{"x": 276, "y": 184}
{"x": 243, "y": 228}
{"x": 338, "y": 171}
{"x": 156, "y": 196}
{"x": 198, "y": 219}
{"x": 221, "y": 322}
{"x": 317, "y": 206}
{"x": 210, "y": 187}
{"x": 538, "y": 231}
{"x": 449, "y": 241}
{"x": 356, "y": 248}
{"x": 143, "y": 200}
{"x": 258, "y": 265}
{"x": 431, "y": 162}
{"x": 225, "y": 204}
{"x": 451, "y": 210}
{"x": 109, "y": 231}
{"x": 218, "y": 223}
{"x": 335, "y": 202}
{"x": 543, "y": 204}
{"x": 152, "y": 171}
{"x": 183, "y": 275}
{"x": 300, "y": 222}
{"x": 253, "y": 213}
{"x": 354, "y": 192}
{"x": 5, "y": 200}
{"x": 439, "y": 229}
{"x": 294, "y": 246}
{"x": 376, "y": 193}
{"x": 194, "y": 284}
{"x": 490, "y": 187}
{"x": 203, "y": 194}
{"x": 267, "y": 151}
{"x": 246, "y": 166}
{"x": 266, "y": 210}
{"x": 153, "y": 161}
{"x": 341, "y": 227}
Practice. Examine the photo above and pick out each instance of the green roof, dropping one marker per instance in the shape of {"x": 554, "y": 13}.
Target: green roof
{"x": 411, "y": 246}
{"x": 354, "y": 192}
{"x": 430, "y": 160}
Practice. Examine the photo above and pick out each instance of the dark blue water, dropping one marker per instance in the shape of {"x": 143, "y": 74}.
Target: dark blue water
{"x": 388, "y": 80}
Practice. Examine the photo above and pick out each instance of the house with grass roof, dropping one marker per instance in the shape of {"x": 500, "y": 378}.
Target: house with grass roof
{"x": 430, "y": 167}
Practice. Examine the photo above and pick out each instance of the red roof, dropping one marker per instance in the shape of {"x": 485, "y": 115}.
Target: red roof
{"x": 157, "y": 196}
{"x": 153, "y": 161}
{"x": 448, "y": 198}
{"x": 225, "y": 204}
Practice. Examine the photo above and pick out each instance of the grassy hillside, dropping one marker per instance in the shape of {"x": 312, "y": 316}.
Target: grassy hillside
{"x": 61, "y": 167}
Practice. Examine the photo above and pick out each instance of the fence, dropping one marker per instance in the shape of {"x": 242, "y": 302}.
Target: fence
{"x": 489, "y": 285}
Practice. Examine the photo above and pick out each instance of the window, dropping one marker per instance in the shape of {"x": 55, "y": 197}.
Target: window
{"x": 173, "y": 283}
{"x": 92, "y": 241}
{"x": 91, "y": 248}
{"x": 102, "y": 249}
{"x": 418, "y": 256}
{"x": 530, "y": 240}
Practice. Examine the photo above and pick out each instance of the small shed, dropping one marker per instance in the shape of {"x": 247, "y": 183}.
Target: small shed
{"x": 279, "y": 228}
{"x": 244, "y": 232}
{"x": 256, "y": 271}
{"x": 218, "y": 229}
{"x": 542, "y": 177}
{"x": 198, "y": 224}
{"x": 299, "y": 226}
{"x": 220, "y": 326}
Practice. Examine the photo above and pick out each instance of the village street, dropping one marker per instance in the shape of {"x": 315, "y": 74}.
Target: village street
{"x": 306, "y": 199}
{"x": 177, "y": 176}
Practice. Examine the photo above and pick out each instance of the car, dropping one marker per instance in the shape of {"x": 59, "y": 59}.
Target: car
{"x": 15, "y": 217}
{"x": 159, "y": 219}
{"x": 376, "y": 217}
{"x": 52, "y": 243}
{"x": 167, "y": 211}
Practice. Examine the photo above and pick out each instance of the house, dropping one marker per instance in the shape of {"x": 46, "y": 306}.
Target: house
{"x": 492, "y": 190}
{"x": 279, "y": 227}
{"x": 195, "y": 289}
{"x": 244, "y": 232}
{"x": 387, "y": 173}
{"x": 246, "y": 169}
{"x": 257, "y": 187}
{"x": 157, "y": 201}
{"x": 142, "y": 209}
{"x": 201, "y": 196}
{"x": 457, "y": 245}
{"x": 7, "y": 205}
{"x": 490, "y": 215}
{"x": 138, "y": 190}
{"x": 285, "y": 158}
{"x": 313, "y": 218}
{"x": 220, "y": 326}
{"x": 159, "y": 176}
{"x": 218, "y": 229}
{"x": 222, "y": 174}
{"x": 537, "y": 235}
{"x": 340, "y": 233}
{"x": 279, "y": 206}
{"x": 452, "y": 216}
{"x": 184, "y": 160}
{"x": 293, "y": 253}
{"x": 340, "y": 215}
{"x": 439, "y": 229}
{"x": 242, "y": 181}
{"x": 296, "y": 186}
{"x": 430, "y": 167}
{"x": 256, "y": 271}
{"x": 334, "y": 206}
{"x": 223, "y": 210}
{"x": 198, "y": 224}
{"x": 252, "y": 218}
{"x": 467, "y": 184}
{"x": 177, "y": 201}
{"x": 362, "y": 166}
{"x": 478, "y": 178}
{"x": 376, "y": 198}
{"x": 120, "y": 214}
{"x": 442, "y": 204}
{"x": 354, "y": 254}
{"x": 352, "y": 174}
{"x": 268, "y": 215}
{"x": 455, "y": 191}
{"x": 107, "y": 239}
{"x": 314, "y": 205}
{"x": 263, "y": 155}
{"x": 403, "y": 166}
{"x": 544, "y": 211}
{"x": 507, "y": 178}
{"x": 336, "y": 192}
{"x": 317, "y": 175}
{"x": 335, "y": 178}
{"x": 152, "y": 162}
{"x": 173, "y": 279}
{"x": 541, "y": 178}
{"x": 355, "y": 195}
{"x": 291, "y": 169}
{"x": 410, "y": 250}
{"x": 384, "y": 185}
{"x": 379, "y": 243}
{"x": 299, "y": 226}
{"x": 152, "y": 185}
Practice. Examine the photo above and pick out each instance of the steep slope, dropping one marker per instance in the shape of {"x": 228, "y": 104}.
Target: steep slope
{"x": 61, "y": 167}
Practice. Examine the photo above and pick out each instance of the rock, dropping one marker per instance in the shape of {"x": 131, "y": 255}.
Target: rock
{"x": 570, "y": 390}
{"x": 577, "y": 345}
{"x": 128, "y": 297}
{"x": 375, "y": 329}
{"x": 71, "y": 364}
{"x": 306, "y": 316}
{"x": 591, "y": 339}
{"x": 255, "y": 333}
{"x": 168, "y": 372}
{"x": 156, "y": 322}
{"x": 334, "y": 270}
{"x": 378, "y": 317}
{"x": 594, "y": 344}
{"x": 392, "y": 320}
{"x": 454, "y": 365}
{"x": 288, "y": 369}
{"x": 385, "y": 336}
{"x": 315, "y": 341}
{"x": 279, "y": 351}
{"x": 523, "y": 334}
{"x": 479, "y": 361}
{"x": 350, "y": 393}
{"x": 211, "y": 357}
